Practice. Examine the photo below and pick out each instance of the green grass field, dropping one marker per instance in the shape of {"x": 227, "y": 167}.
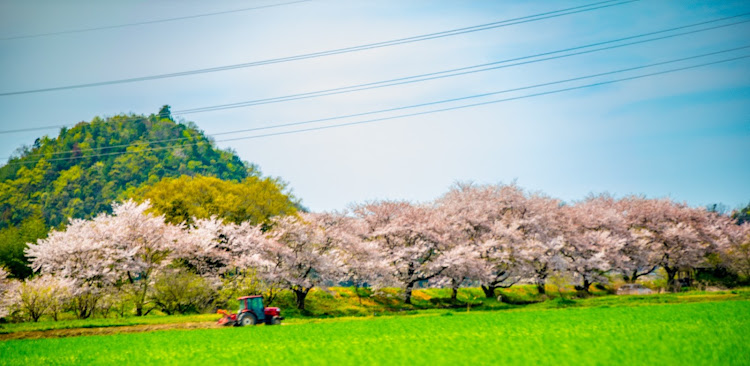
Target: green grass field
{"x": 342, "y": 302}
{"x": 708, "y": 333}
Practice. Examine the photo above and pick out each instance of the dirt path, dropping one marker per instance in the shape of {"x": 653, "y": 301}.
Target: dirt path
{"x": 75, "y": 332}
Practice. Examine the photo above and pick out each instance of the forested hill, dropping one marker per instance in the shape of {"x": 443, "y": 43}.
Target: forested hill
{"x": 80, "y": 172}
{"x": 86, "y": 167}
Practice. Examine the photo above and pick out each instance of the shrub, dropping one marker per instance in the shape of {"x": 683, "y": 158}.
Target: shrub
{"x": 41, "y": 295}
{"x": 179, "y": 292}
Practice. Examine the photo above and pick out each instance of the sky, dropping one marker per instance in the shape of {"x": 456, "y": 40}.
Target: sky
{"x": 681, "y": 134}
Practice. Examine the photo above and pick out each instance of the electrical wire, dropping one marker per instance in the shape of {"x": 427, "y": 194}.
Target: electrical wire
{"x": 485, "y": 103}
{"x": 433, "y": 103}
{"x": 414, "y": 105}
{"x": 444, "y": 73}
{"x": 448, "y": 33}
{"x": 83, "y": 30}
{"x": 455, "y": 72}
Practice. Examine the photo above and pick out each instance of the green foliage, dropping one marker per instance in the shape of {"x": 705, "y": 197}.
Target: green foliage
{"x": 13, "y": 241}
{"x": 255, "y": 199}
{"x": 244, "y": 283}
{"x": 84, "y": 169}
{"x": 80, "y": 172}
{"x": 165, "y": 112}
{"x": 704, "y": 333}
{"x": 182, "y": 292}
{"x": 742, "y": 215}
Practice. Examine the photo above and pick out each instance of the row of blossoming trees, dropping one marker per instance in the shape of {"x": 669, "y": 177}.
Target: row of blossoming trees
{"x": 493, "y": 236}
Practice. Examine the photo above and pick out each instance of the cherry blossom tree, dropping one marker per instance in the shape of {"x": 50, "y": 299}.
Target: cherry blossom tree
{"x": 210, "y": 247}
{"x": 540, "y": 220}
{"x": 125, "y": 249}
{"x": 463, "y": 263}
{"x": 254, "y": 261}
{"x": 482, "y": 235}
{"x": 7, "y": 293}
{"x": 735, "y": 248}
{"x": 363, "y": 263}
{"x": 411, "y": 237}
{"x": 595, "y": 233}
{"x": 675, "y": 236}
{"x": 42, "y": 295}
{"x": 80, "y": 252}
{"x": 232, "y": 256}
{"x": 298, "y": 253}
{"x": 145, "y": 241}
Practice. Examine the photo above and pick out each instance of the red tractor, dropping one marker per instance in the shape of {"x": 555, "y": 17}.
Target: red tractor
{"x": 251, "y": 312}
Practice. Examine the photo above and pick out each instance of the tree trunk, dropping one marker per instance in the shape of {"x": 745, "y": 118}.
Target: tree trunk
{"x": 489, "y": 291}
{"x": 584, "y": 287}
{"x": 140, "y": 291}
{"x": 454, "y": 289}
{"x": 300, "y": 295}
{"x": 85, "y": 305}
{"x": 671, "y": 273}
{"x": 632, "y": 278}
{"x": 356, "y": 291}
{"x": 407, "y": 292}
{"x": 540, "y": 286}
{"x": 140, "y": 297}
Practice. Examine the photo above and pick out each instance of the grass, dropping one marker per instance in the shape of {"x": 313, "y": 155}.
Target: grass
{"x": 104, "y": 322}
{"x": 707, "y": 333}
{"x": 344, "y": 302}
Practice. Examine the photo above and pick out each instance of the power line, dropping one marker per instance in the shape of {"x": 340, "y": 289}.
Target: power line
{"x": 82, "y": 30}
{"x": 424, "y": 37}
{"x": 409, "y": 106}
{"x": 433, "y": 103}
{"x": 557, "y": 91}
{"x": 442, "y": 74}
{"x": 462, "y": 70}
{"x": 423, "y": 104}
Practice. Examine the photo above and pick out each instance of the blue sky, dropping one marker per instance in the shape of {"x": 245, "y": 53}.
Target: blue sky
{"x": 684, "y": 135}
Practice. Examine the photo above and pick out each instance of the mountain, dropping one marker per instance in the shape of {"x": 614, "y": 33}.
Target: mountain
{"x": 80, "y": 172}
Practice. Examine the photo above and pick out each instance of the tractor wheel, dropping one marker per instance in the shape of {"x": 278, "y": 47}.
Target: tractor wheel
{"x": 275, "y": 321}
{"x": 247, "y": 320}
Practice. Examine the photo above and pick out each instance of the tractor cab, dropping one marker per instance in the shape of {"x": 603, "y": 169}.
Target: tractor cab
{"x": 252, "y": 304}
{"x": 251, "y": 312}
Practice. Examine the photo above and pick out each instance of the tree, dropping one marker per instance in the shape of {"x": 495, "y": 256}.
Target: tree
{"x": 78, "y": 173}
{"x": 123, "y": 249}
{"x": 7, "y": 293}
{"x": 41, "y": 295}
{"x": 230, "y": 254}
{"x": 483, "y": 235}
{"x": 79, "y": 253}
{"x": 462, "y": 263}
{"x": 362, "y": 263}
{"x": 594, "y": 234}
{"x": 674, "y": 236}
{"x": 300, "y": 253}
{"x": 183, "y": 199}
{"x": 540, "y": 220}
{"x": 13, "y": 241}
{"x": 735, "y": 248}
{"x": 410, "y": 236}
{"x": 165, "y": 112}
{"x": 742, "y": 215}
{"x": 142, "y": 244}
{"x": 209, "y": 247}
{"x": 178, "y": 291}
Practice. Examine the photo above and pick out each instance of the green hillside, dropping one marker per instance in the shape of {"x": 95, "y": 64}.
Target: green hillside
{"x": 80, "y": 172}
